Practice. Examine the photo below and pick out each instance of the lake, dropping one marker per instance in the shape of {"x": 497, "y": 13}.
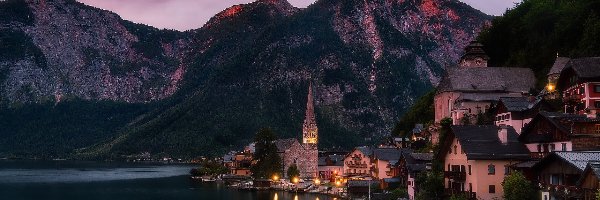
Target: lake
{"x": 66, "y": 180}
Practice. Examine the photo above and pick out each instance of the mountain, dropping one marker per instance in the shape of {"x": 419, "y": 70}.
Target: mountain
{"x": 550, "y": 29}
{"x": 251, "y": 64}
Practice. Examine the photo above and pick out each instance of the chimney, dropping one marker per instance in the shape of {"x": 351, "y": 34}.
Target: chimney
{"x": 503, "y": 134}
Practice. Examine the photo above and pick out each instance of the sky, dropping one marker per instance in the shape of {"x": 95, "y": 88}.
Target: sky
{"x": 191, "y": 14}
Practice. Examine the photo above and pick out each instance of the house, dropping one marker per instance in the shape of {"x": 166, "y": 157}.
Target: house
{"x": 409, "y": 166}
{"x": 238, "y": 163}
{"x": 477, "y": 158}
{"x": 559, "y": 172}
{"x": 471, "y": 87}
{"x": 384, "y": 160}
{"x": 518, "y": 111}
{"x": 358, "y": 162}
{"x": 590, "y": 180}
{"x": 331, "y": 166}
{"x": 579, "y": 82}
{"x": 549, "y": 131}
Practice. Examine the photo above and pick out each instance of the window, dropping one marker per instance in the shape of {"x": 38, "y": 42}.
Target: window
{"x": 492, "y": 189}
{"x": 506, "y": 170}
{"x": 469, "y": 169}
{"x": 470, "y": 186}
{"x": 597, "y": 88}
{"x": 581, "y": 90}
{"x": 597, "y": 104}
{"x": 564, "y": 146}
{"x": 597, "y": 128}
{"x": 491, "y": 169}
{"x": 552, "y": 147}
{"x": 455, "y": 150}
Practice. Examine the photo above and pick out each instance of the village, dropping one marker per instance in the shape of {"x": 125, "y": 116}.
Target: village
{"x": 554, "y": 146}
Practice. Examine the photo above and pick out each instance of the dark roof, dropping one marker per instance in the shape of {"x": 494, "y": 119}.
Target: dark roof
{"x": 562, "y": 121}
{"x": 284, "y": 144}
{"x": 585, "y": 67}
{"x": 559, "y": 64}
{"x": 367, "y": 151}
{"x": 577, "y": 159}
{"x": 592, "y": 167}
{"x": 389, "y": 154}
{"x": 517, "y": 104}
{"x": 391, "y": 180}
{"x": 473, "y": 50}
{"x": 486, "y": 79}
{"x": 422, "y": 156}
{"x": 526, "y": 164}
{"x": 417, "y": 162}
{"x": 482, "y": 143}
{"x": 337, "y": 160}
{"x": 359, "y": 183}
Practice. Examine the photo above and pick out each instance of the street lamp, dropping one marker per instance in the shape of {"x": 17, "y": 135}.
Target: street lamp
{"x": 275, "y": 177}
{"x": 317, "y": 181}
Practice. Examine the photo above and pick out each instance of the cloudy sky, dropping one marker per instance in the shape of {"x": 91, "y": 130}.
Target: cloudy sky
{"x": 191, "y": 14}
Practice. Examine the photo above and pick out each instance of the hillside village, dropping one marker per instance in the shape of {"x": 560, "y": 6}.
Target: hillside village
{"x": 487, "y": 126}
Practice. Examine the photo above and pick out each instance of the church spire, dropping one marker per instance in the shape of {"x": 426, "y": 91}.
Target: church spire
{"x": 309, "y": 129}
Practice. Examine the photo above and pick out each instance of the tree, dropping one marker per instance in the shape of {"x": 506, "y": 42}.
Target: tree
{"x": 267, "y": 161}
{"x": 598, "y": 195}
{"x": 431, "y": 185}
{"x": 293, "y": 172}
{"x": 516, "y": 187}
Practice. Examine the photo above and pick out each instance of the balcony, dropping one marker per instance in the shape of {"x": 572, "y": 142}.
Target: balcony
{"x": 357, "y": 165}
{"x": 538, "y": 155}
{"x": 469, "y": 195}
{"x": 576, "y": 98}
{"x": 455, "y": 175}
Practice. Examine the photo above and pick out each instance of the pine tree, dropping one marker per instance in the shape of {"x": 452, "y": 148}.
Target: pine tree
{"x": 267, "y": 161}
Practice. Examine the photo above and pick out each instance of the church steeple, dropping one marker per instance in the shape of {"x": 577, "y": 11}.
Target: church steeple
{"x": 309, "y": 129}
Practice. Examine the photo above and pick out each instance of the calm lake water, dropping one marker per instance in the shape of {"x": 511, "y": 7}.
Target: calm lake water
{"x": 66, "y": 180}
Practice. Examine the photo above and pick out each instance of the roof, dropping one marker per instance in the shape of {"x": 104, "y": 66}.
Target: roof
{"x": 585, "y": 67}
{"x": 367, "y": 151}
{"x": 422, "y": 156}
{"x": 577, "y": 159}
{"x": 526, "y": 164}
{"x": 517, "y": 104}
{"x": 337, "y": 160}
{"x": 474, "y": 49}
{"x": 481, "y": 142}
{"x": 562, "y": 121}
{"x": 284, "y": 144}
{"x": 594, "y": 168}
{"x": 484, "y": 96}
{"x": 391, "y": 180}
{"x": 389, "y": 154}
{"x": 485, "y": 79}
{"x": 359, "y": 183}
{"x": 559, "y": 64}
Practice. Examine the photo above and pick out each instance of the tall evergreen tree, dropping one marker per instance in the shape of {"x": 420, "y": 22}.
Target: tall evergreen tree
{"x": 267, "y": 161}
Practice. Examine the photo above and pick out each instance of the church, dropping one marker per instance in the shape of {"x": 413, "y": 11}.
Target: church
{"x": 304, "y": 155}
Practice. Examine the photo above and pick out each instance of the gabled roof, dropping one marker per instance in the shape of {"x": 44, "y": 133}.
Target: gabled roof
{"x": 284, "y": 144}
{"x": 577, "y": 159}
{"x": 482, "y": 143}
{"x": 559, "y": 64}
{"x": 517, "y": 104}
{"x": 562, "y": 121}
{"x": 487, "y": 79}
{"x": 337, "y": 160}
{"x": 585, "y": 67}
{"x": 389, "y": 154}
{"x": 592, "y": 167}
{"x": 367, "y": 151}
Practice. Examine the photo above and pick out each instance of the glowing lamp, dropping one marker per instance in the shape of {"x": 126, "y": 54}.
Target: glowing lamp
{"x": 295, "y": 180}
{"x": 550, "y": 87}
{"x": 275, "y": 178}
{"x": 317, "y": 181}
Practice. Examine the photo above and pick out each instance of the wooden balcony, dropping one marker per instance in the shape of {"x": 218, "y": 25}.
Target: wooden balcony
{"x": 357, "y": 165}
{"x": 455, "y": 175}
{"x": 469, "y": 195}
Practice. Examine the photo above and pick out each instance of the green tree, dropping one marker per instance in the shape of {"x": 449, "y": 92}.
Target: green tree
{"x": 598, "y": 195}
{"x": 458, "y": 197}
{"x": 516, "y": 187}
{"x": 399, "y": 193}
{"x": 431, "y": 185}
{"x": 421, "y": 112}
{"x": 293, "y": 172}
{"x": 267, "y": 161}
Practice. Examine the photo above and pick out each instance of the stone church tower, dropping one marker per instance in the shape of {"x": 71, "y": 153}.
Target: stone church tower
{"x": 474, "y": 56}
{"x": 310, "y": 139}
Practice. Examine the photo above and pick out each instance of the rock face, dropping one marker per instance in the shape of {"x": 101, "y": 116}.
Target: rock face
{"x": 248, "y": 67}
{"x": 87, "y": 53}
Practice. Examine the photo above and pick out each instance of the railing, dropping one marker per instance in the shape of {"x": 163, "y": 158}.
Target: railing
{"x": 455, "y": 175}
{"x": 467, "y": 194}
{"x": 357, "y": 165}
{"x": 538, "y": 155}
{"x": 356, "y": 174}
{"x": 576, "y": 98}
